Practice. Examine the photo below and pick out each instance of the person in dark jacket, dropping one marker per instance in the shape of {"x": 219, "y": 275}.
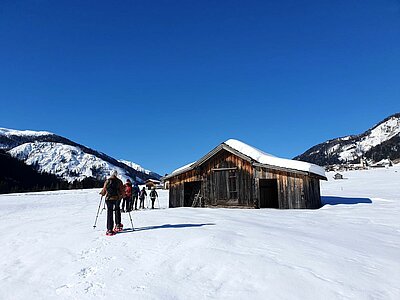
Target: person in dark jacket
{"x": 113, "y": 190}
{"x": 142, "y": 195}
{"x": 153, "y": 196}
{"x": 135, "y": 195}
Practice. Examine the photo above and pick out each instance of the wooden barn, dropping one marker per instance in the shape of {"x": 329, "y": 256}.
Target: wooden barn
{"x": 235, "y": 174}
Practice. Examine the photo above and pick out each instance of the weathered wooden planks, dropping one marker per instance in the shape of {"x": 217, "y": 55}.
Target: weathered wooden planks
{"x": 294, "y": 189}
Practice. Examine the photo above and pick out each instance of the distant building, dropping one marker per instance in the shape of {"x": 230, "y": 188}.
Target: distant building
{"x": 165, "y": 185}
{"x": 150, "y": 183}
{"x": 237, "y": 175}
{"x": 338, "y": 176}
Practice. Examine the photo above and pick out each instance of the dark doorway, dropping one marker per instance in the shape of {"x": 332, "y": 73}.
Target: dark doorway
{"x": 269, "y": 193}
{"x": 190, "y": 190}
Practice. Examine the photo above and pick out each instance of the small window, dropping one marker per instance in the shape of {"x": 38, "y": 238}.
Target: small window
{"x": 232, "y": 185}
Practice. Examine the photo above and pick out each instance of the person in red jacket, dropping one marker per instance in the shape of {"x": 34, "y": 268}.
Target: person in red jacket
{"x": 126, "y": 203}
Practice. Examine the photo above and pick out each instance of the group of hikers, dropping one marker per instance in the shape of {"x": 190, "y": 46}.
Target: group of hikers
{"x": 114, "y": 190}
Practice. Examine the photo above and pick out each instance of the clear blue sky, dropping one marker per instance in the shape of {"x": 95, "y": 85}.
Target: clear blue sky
{"x": 161, "y": 83}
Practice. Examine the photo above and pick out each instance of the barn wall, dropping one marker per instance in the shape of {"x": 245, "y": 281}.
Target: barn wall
{"x": 294, "y": 190}
{"x": 214, "y": 186}
{"x": 214, "y": 183}
{"x": 176, "y": 190}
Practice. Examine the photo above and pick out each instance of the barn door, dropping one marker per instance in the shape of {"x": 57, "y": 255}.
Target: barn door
{"x": 269, "y": 193}
{"x": 191, "y": 189}
{"x": 220, "y": 186}
{"x": 225, "y": 185}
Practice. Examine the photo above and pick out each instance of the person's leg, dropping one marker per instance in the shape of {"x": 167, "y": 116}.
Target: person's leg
{"x": 110, "y": 221}
{"x": 117, "y": 213}
{"x": 129, "y": 203}
{"x": 152, "y": 202}
{"x": 124, "y": 205}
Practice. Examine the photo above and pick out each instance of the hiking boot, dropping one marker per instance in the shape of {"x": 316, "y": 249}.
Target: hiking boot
{"x": 110, "y": 232}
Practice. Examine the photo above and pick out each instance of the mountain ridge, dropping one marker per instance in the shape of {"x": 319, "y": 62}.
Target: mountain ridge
{"x": 380, "y": 142}
{"x": 24, "y": 144}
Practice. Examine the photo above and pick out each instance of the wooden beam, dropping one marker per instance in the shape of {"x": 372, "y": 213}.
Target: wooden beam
{"x": 223, "y": 169}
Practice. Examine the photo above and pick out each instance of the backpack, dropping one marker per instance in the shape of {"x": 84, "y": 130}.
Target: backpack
{"x": 153, "y": 194}
{"x": 112, "y": 187}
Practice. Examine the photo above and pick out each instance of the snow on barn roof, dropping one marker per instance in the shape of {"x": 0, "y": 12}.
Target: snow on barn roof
{"x": 268, "y": 159}
{"x": 259, "y": 157}
{"x": 184, "y": 168}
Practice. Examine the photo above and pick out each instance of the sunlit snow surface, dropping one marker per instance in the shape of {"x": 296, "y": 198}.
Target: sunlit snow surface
{"x": 349, "y": 249}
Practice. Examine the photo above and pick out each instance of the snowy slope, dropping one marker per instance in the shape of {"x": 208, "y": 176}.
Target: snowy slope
{"x": 135, "y": 166}
{"x": 11, "y": 132}
{"x": 349, "y": 249}
{"x": 377, "y": 143}
{"x": 379, "y": 134}
{"x": 57, "y": 155}
{"x": 66, "y": 161}
{"x": 10, "y": 138}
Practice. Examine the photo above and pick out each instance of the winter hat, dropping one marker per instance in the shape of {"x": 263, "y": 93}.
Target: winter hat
{"x": 114, "y": 173}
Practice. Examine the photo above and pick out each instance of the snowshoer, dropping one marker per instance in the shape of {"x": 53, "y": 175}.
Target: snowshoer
{"x": 126, "y": 203}
{"x": 153, "y": 196}
{"x": 142, "y": 195}
{"x": 135, "y": 195}
{"x": 113, "y": 190}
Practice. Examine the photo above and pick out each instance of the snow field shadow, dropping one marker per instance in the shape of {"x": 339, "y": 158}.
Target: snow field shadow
{"x": 166, "y": 226}
{"x": 331, "y": 200}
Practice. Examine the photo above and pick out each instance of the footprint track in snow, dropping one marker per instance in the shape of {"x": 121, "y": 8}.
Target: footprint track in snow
{"x": 87, "y": 272}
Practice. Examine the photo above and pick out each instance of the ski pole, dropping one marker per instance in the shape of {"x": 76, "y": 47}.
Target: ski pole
{"x": 133, "y": 228}
{"x": 95, "y": 222}
{"x": 104, "y": 207}
{"x": 158, "y": 200}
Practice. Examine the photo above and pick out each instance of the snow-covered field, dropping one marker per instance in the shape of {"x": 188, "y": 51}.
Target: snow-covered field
{"x": 349, "y": 249}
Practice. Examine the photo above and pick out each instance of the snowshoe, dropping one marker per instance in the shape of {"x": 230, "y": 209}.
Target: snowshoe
{"x": 118, "y": 228}
{"x": 110, "y": 233}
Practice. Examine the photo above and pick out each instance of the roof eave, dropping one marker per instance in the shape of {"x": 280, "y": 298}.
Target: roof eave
{"x": 257, "y": 164}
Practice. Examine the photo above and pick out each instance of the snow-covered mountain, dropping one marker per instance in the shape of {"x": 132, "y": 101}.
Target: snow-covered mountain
{"x": 135, "y": 166}
{"x": 380, "y": 142}
{"x": 51, "y": 153}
